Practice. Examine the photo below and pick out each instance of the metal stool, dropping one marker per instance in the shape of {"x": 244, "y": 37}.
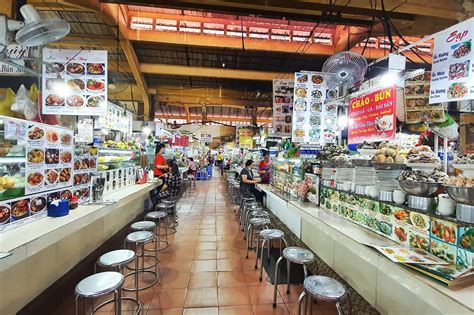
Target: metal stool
{"x": 254, "y": 212}
{"x": 324, "y": 289}
{"x": 261, "y": 223}
{"x": 267, "y": 236}
{"x": 295, "y": 255}
{"x": 101, "y": 284}
{"x": 117, "y": 259}
{"x": 246, "y": 202}
{"x": 139, "y": 239}
{"x": 171, "y": 203}
{"x": 161, "y": 220}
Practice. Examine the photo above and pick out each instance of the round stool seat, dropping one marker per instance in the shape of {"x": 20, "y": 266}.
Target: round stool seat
{"x": 162, "y": 206}
{"x": 100, "y": 284}
{"x": 259, "y": 221}
{"x": 140, "y": 237}
{"x": 157, "y": 214}
{"x": 269, "y": 234}
{"x": 143, "y": 226}
{"x": 116, "y": 258}
{"x": 168, "y": 202}
{"x": 324, "y": 288}
{"x": 298, "y": 255}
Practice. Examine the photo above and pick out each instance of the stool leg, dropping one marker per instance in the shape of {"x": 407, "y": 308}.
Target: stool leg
{"x": 118, "y": 301}
{"x": 261, "y": 257}
{"x": 288, "y": 271}
{"x": 305, "y": 270}
{"x": 156, "y": 255}
{"x": 275, "y": 287}
{"x": 77, "y": 304}
{"x": 268, "y": 250}
{"x": 300, "y": 301}
{"x": 258, "y": 245}
{"x": 136, "y": 277}
{"x": 248, "y": 241}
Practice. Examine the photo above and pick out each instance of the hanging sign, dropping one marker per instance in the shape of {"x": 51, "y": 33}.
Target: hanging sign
{"x": 74, "y": 82}
{"x": 314, "y": 112}
{"x": 85, "y": 130}
{"x": 282, "y": 107}
{"x": 452, "y": 76}
{"x": 372, "y": 116}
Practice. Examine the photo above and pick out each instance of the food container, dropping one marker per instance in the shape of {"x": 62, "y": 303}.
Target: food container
{"x": 386, "y": 196}
{"x": 388, "y": 166}
{"x": 421, "y": 203}
{"x": 340, "y": 186}
{"x": 58, "y": 208}
{"x": 420, "y": 189}
{"x": 463, "y": 195}
{"x": 465, "y": 213}
{"x": 360, "y": 189}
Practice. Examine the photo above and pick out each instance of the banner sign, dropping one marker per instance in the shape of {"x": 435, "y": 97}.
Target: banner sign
{"x": 74, "y": 82}
{"x": 452, "y": 76}
{"x": 314, "y": 112}
{"x": 372, "y": 116}
{"x": 282, "y": 107}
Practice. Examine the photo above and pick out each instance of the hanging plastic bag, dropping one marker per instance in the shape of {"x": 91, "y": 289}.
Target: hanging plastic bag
{"x": 446, "y": 129}
{"x": 6, "y": 103}
{"x": 23, "y": 105}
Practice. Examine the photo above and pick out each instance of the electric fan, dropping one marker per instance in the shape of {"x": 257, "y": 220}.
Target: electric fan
{"x": 35, "y": 31}
{"x": 345, "y": 69}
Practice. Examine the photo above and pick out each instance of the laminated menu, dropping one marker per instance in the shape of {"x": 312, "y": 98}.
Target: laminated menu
{"x": 85, "y": 166}
{"x": 74, "y": 82}
{"x": 409, "y": 255}
{"x": 282, "y": 107}
{"x": 314, "y": 115}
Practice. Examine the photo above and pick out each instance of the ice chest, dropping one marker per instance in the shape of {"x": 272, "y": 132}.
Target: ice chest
{"x": 60, "y": 210}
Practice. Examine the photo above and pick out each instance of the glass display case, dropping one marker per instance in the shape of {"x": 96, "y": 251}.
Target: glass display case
{"x": 114, "y": 158}
{"x": 287, "y": 174}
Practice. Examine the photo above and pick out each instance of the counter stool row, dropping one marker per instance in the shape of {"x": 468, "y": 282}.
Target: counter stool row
{"x": 141, "y": 233}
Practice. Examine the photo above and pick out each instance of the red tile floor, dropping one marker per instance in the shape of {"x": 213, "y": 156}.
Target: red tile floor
{"x": 204, "y": 270}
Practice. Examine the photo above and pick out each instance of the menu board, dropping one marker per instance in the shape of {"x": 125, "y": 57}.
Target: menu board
{"x": 85, "y": 166}
{"x": 417, "y": 107}
{"x": 74, "y": 82}
{"x": 372, "y": 116}
{"x": 117, "y": 118}
{"x": 282, "y": 107}
{"x": 314, "y": 117}
{"x": 49, "y": 158}
{"x": 453, "y": 62}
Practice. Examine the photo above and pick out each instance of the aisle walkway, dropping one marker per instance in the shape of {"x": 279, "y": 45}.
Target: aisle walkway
{"x": 204, "y": 271}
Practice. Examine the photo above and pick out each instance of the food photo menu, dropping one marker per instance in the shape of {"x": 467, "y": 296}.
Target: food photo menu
{"x": 314, "y": 116}
{"x": 74, "y": 82}
{"x": 282, "y": 107}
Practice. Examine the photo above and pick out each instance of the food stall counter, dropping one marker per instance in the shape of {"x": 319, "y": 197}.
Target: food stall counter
{"x": 342, "y": 245}
{"x": 43, "y": 251}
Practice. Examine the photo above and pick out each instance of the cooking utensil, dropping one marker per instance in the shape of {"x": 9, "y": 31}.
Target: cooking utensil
{"x": 386, "y": 196}
{"x": 464, "y": 195}
{"x": 421, "y": 203}
{"x": 419, "y": 189}
{"x": 465, "y": 213}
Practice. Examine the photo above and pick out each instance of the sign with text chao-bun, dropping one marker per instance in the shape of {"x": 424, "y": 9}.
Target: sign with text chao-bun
{"x": 452, "y": 77}
{"x": 372, "y": 116}
{"x": 74, "y": 82}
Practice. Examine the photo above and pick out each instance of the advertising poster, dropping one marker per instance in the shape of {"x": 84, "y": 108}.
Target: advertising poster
{"x": 245, "y": 136}
{"x": 372, "y": 116}
{"x": 282, "y": 107}
{"x": 74, "y": 82}
{"x": 453, "y": 61}
{"x": 314, "y": 115}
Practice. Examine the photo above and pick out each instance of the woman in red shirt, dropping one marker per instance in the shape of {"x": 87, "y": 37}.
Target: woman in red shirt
{"x": 160, "y": 161}
{"x": 264, "y": 169}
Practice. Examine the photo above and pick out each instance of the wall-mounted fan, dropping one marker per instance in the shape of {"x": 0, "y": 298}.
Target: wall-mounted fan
{"x": 345, "y": 69}
{"x": 35, "y": 31}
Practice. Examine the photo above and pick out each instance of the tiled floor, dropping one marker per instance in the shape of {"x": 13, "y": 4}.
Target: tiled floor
{"x": 204, "y": 271}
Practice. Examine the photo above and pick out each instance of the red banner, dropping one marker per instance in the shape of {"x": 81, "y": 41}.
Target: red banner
{"x": 372, "y": 116}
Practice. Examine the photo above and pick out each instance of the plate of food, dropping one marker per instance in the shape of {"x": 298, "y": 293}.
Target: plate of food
{"x": 85, "y": 192}
{"x": 420, "y": 221}
{"x": 301, "y": 92}
{"x": 299, "y": 132}
{"x": 36, "y": 156}
{"x": 20, "y": 209}
{"x": 317, "y": 79}
{"x": 4, "y": 213}
{"x": 52, "y": 156}
{"x": 75, "y": 101}
{"x": 76, "y": 85}
{"x": 314, "y": 134}
{"x": 54, "y": 67}
{"x": 419, "y": 241}
{"x": 331, "y": 94}
{"x": 457, "y": 90}
{"x": 66, "y": 194}
{"x": 54, "y": 196}
{"x": 301, "y": 78}
{"x": 92, "y": 163}
{"x": 38, "y": 204}
{"x": 78, "y": 193}
{"x": 85, "y": 178}
{"x": 316, "y": 94}
{"x": 75, "y": 68}
{"x": 97, "y": 100}
{"x": 51, "y": 177}
{"x": 462, "y": 49}
{"x": 85, "y": 163}
{"x": 384, "y": 123}
{"x": 35, "y": 179}
{"x": 35, "y": 133}
{"x": 300, "y": 106}
{"x": 95, "y": 85}
{"x": 54, "y": 100}
{"x": 95, "y": 68}
{"x": 316, "y": 107}
{"x": 66, "y": 138}
{"x": 314, "y": 120}
{"x": 52, "y": 136}
{"x": 77, "y": 179}
{"x": 444, "y": 230}
{"x": 54, "y": 84}
{"x": 65, "y": 175}
{"x": 77, "y": 164}
{"x": 66, "y": 156}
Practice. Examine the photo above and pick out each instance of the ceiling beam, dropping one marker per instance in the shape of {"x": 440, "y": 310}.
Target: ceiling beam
{"x": 216, "y": 118}
{"x": 8, "y": 8}
{"x": 188, "y": 116}
{"x": 164, "y": 69}
{"x": 118, "y": 15}
{"x": 70, "y": 5}
{"x": 103, "y": 42}
{"x": 196, "y": 101}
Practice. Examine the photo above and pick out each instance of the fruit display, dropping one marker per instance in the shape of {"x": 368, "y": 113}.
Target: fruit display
{"x": 134, "y": 145}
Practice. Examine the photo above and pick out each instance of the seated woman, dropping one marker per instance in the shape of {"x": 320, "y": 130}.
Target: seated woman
{"x": 247, "y": 181}
{"x": 172, "y": 182}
